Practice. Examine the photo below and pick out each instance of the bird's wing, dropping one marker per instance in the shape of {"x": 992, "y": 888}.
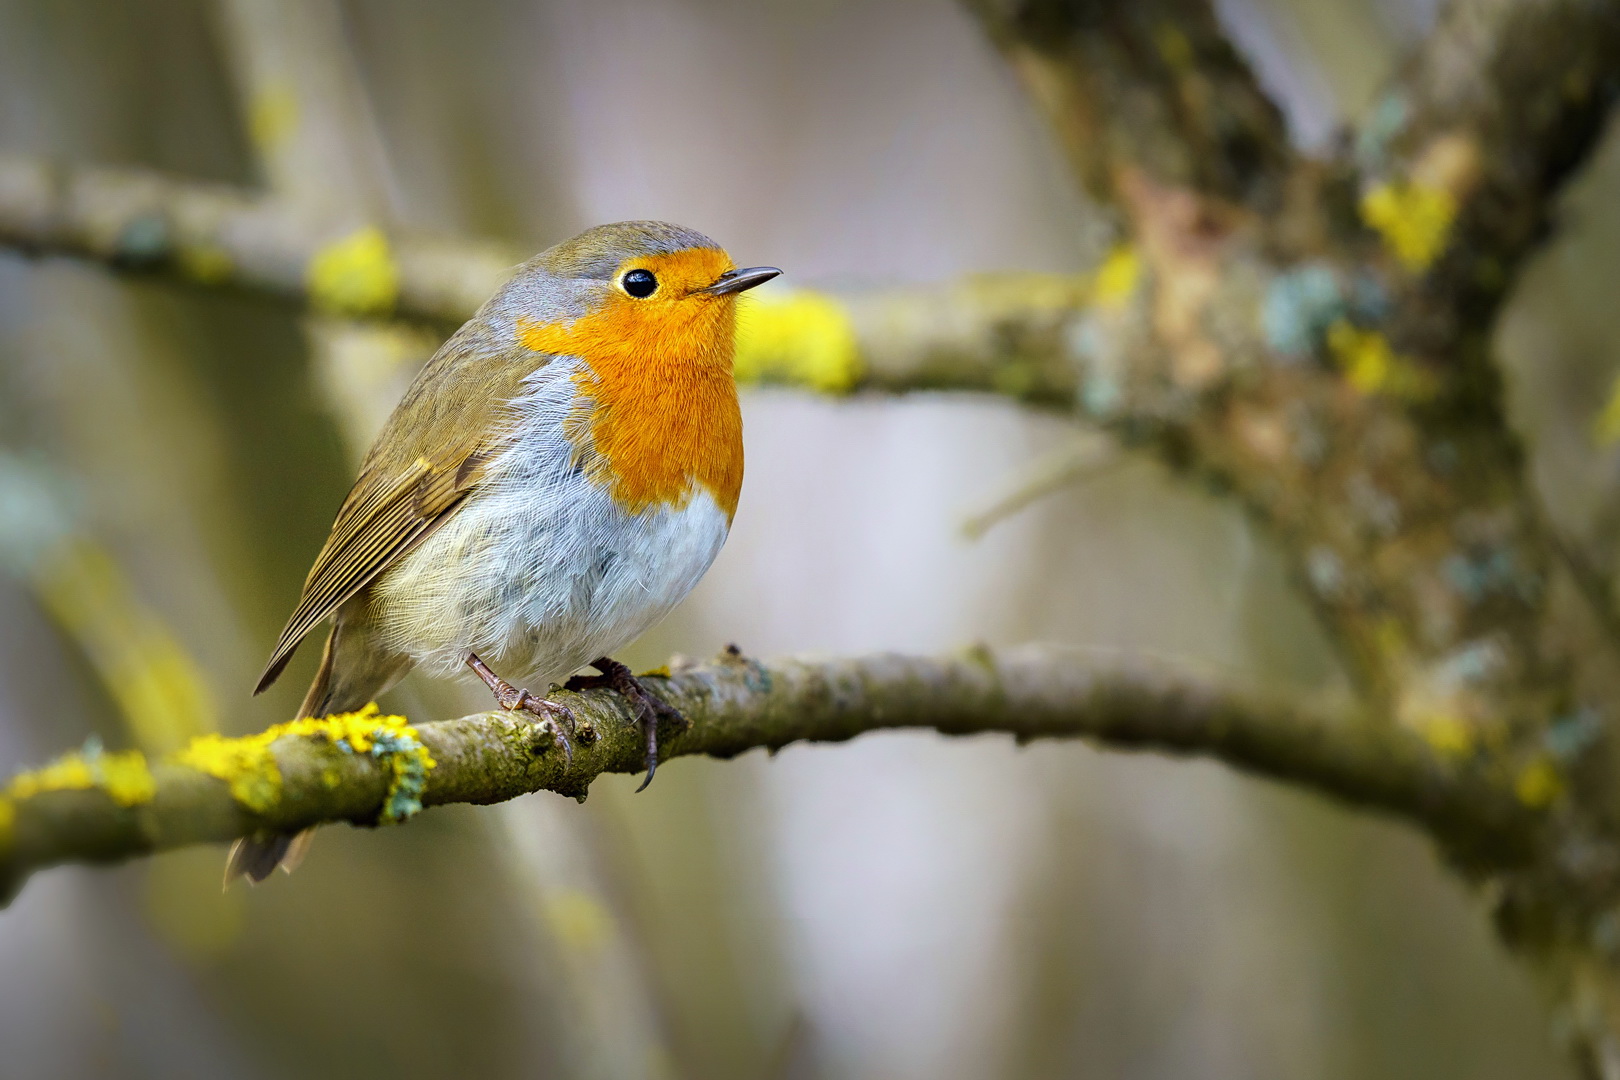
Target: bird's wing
{"x": 387, "y": 511}
{"x": 435, "y": 448}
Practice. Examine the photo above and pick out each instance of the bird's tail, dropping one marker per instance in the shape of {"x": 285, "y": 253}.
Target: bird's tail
{"x": 256, "y": 857}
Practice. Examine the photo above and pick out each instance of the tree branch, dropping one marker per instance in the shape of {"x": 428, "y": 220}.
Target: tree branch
{"x": 1083, "y": 456}
{"x": 1462, "y": 158}
{"x": 1503, "y": 101}
{"x": 217, "y": 235}
{"x": 95, "y": 814}
{"x": 1009, "y": 333}
{"x": 1152, "y": 87}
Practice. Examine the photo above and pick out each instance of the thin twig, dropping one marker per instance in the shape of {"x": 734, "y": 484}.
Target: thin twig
{"x": 1080, "y": 458}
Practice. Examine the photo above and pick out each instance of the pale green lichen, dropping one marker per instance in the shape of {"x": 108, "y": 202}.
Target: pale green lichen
{"x": 410, "y": 762}
{"x": 804, "y": 338}
{"x": 1572, "y": 734}
{"x": 1299, "y": 308}
{"x": 355, "y": 275}
{"x": 1387, "y": 119}
{"x": 249, "y": 766}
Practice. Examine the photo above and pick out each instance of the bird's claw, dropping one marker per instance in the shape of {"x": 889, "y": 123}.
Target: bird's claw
{"x": 668, "y": 712}
{"x": 552, "y": 717}
{"x": 649, "y": 709}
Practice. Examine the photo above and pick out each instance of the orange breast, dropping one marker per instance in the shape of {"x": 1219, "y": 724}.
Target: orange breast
{"x": 662, "y": 415}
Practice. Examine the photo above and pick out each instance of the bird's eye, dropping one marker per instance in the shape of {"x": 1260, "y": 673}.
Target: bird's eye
{"x": 639, "y": 283}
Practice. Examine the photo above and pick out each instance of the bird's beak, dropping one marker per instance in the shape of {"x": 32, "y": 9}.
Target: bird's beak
{"x": 736, "y": 281}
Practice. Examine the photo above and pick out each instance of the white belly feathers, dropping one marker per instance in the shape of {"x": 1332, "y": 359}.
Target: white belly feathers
{"x": 544, "y": 572}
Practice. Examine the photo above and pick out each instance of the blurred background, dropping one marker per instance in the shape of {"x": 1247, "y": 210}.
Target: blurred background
{"x": 904, "y": 906}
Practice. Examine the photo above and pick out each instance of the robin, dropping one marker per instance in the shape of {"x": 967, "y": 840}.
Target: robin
{"x": 556, "y": 479}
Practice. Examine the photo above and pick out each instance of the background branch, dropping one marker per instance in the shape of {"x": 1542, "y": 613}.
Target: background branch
{"x": 214, "y": 234}
{"x": 999, "y": 333}
{"x": 1153, "y": 88}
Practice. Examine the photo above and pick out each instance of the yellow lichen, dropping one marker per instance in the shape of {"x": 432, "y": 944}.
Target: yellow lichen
{"x": 249, "y": 767}
{"x": 70, "y": 772}
{"x": 1372, "y": 366}
{"x": 1414, "y": 219}
{"x": 803, "y": 337}
{"x": 1538, "y": 784}
{"x": 126, "y": 778}
{"x": 123, "y": 775}
{"x": 1447, "y": 733}
{"x": 356, "y": 275}
{"x": 246, "y": 764}
{"x": 1116, "y": 279}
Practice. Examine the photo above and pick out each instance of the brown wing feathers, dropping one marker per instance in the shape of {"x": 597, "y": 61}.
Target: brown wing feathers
{"x": 378, "y": 522}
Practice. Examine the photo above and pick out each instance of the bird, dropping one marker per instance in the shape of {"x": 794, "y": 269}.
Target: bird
{"x": 557, "y": 477}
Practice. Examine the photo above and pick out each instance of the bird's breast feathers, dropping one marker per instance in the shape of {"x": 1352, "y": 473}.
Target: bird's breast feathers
{"x": 585, "y": 533}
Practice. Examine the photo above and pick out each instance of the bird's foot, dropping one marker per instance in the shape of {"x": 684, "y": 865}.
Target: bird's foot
{"x": 555, "y": 720}
{"x": 648, "y": 707}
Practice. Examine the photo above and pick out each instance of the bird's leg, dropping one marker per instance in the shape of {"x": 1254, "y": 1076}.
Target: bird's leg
{"x": 553, "y": 717}
{"x": 649, "y": 708}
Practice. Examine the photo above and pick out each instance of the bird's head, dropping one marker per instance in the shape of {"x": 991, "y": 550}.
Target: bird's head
{"x": 646, "y": 287}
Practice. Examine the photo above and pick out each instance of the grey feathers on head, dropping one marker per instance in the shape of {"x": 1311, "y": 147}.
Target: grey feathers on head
{"x": 597, "y": 253}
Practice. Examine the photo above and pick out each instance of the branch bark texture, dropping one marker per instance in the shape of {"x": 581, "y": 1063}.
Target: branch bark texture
{"x": 1316, "y": 340}
{"x": 1152, "y": 87}
{"x": 106, "y": 813}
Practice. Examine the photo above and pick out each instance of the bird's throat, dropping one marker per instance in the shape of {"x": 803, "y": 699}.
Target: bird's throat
{"x": 658, "y": 417}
